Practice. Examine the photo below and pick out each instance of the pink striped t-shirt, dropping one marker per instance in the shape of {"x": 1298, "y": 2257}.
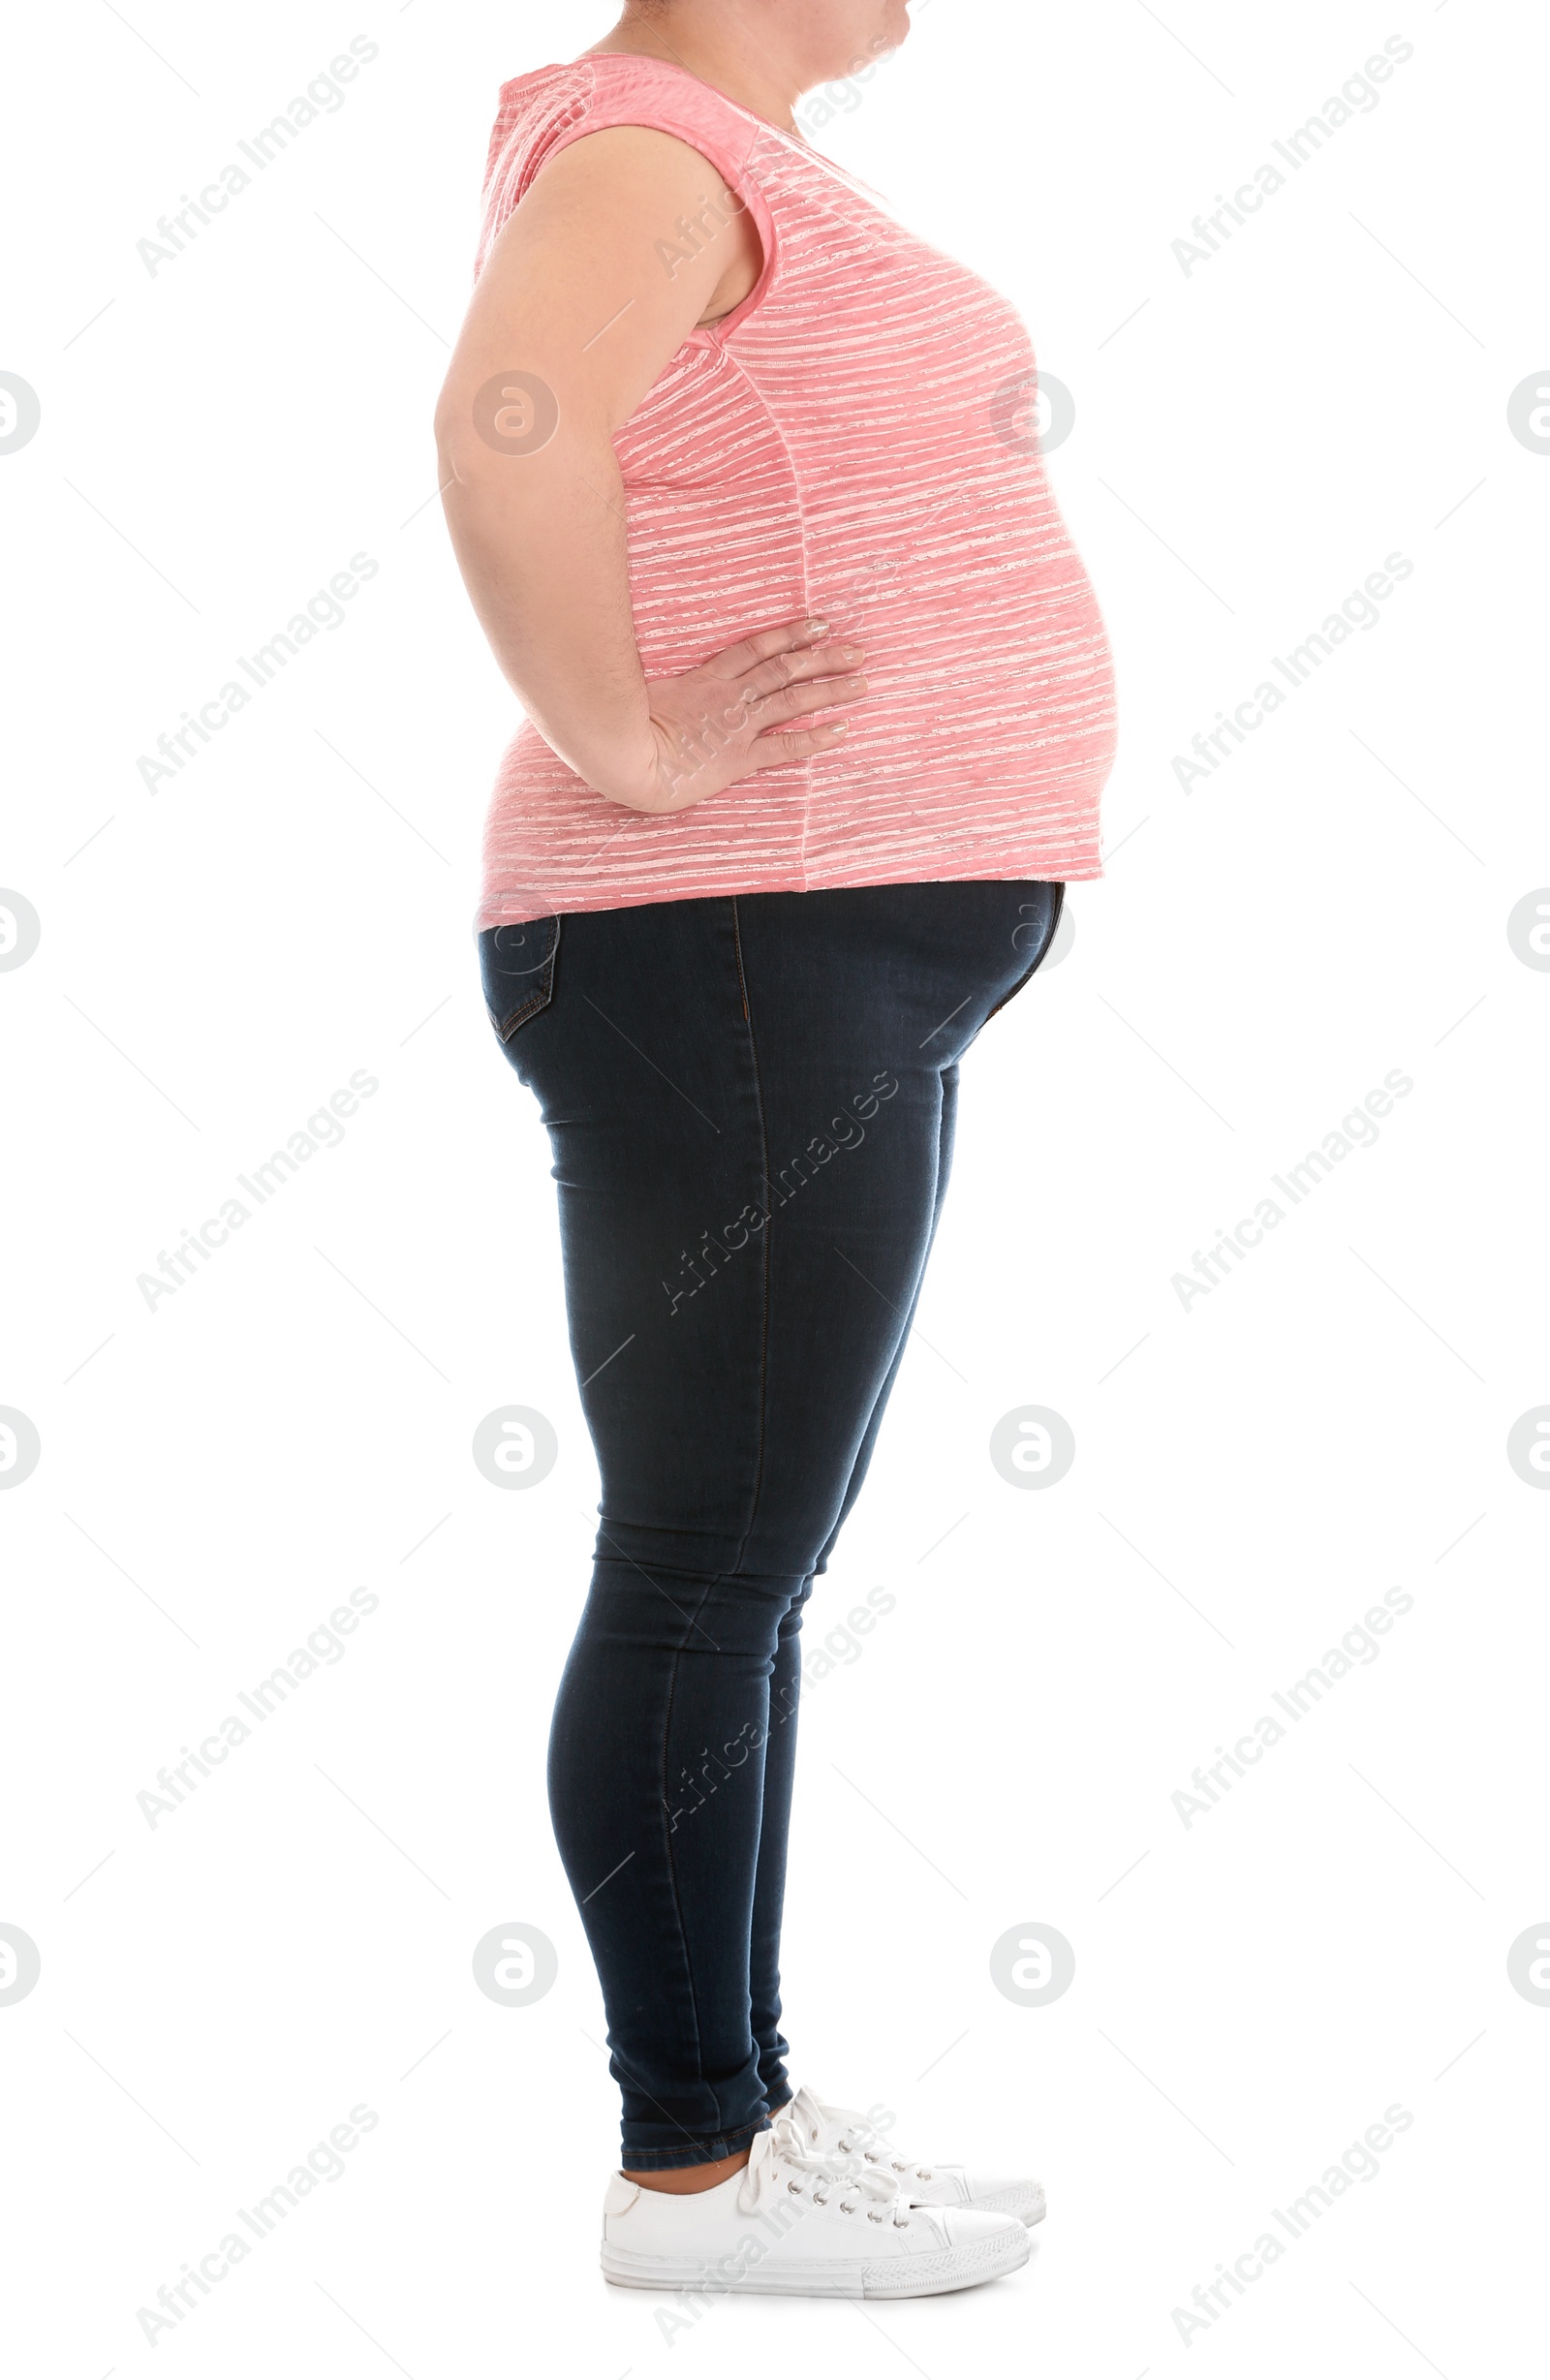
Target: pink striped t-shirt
{"x": 851, "y": 443}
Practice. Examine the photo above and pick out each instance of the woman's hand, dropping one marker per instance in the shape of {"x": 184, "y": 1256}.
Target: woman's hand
{"x": 732, "y": 715}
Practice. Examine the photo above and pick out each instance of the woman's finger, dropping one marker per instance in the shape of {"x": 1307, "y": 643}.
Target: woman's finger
{"x": 763, "y": 645}
{"x": 798, "y": 744}
{"x": 787, "y": 669}
{"x": 815, "y": 695}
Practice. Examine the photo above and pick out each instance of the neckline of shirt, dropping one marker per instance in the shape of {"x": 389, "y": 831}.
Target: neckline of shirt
{"x": 633, "y": 57}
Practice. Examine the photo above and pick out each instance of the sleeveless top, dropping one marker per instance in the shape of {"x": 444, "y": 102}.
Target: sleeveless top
{"x": 851, "y": 442}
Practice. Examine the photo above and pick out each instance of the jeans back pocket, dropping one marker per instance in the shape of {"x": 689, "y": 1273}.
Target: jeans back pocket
{"x": 516, "y": 965}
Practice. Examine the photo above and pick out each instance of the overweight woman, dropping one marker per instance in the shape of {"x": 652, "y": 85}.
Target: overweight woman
{"x": 819, "y": 707}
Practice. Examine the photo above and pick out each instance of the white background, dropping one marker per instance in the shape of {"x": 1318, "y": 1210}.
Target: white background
{"x": 1252, "y": 1473}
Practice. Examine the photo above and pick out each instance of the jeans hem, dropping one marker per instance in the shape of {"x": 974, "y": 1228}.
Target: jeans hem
{"x": 698, "y": 2153}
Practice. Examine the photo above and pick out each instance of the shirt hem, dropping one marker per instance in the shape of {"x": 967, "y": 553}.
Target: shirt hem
{"x": 1084, "y": 869}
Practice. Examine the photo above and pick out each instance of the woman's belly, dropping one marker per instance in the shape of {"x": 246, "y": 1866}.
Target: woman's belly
{"x": 982, "y": 749}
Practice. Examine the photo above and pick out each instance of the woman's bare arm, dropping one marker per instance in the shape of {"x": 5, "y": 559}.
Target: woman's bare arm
{"x": 578, "y": 314}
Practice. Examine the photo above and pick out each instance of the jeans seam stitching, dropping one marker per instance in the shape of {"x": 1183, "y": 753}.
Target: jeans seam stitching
{"x": 764, "y": 1169}
{"x": 519, "y": 1015}
{"x": 666, "y": 1840}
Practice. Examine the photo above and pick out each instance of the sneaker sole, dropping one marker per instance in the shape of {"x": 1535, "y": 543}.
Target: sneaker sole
{"x": 895, "y": 2277}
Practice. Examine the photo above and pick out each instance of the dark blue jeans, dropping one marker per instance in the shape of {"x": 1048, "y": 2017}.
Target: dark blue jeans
{"x": 750, "y": 1102}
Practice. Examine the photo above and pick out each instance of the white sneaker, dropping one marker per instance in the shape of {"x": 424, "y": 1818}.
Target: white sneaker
{"x": 791, "y": 2224}
{"x": 850, "y": 2141}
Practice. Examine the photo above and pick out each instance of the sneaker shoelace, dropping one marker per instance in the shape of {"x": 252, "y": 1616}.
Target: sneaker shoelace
{"x": 852, "y": 2139}
{"x": 779, "y": 2159}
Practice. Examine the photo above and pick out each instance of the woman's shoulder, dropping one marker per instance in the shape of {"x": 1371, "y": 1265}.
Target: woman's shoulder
{"x": 545, "y": 111}
{"x": 612, "y": 87}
